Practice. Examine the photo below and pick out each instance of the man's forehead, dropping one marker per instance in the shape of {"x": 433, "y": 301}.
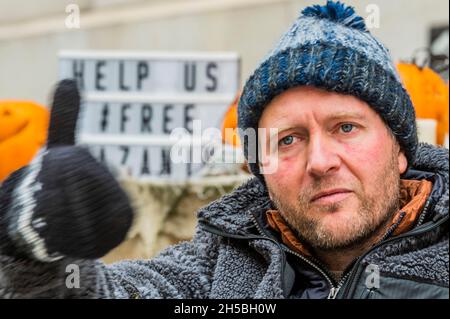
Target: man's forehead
{"x": 299, "y": 115}
{"x": 296, "y": 123}
{"x": 301, "y": 100}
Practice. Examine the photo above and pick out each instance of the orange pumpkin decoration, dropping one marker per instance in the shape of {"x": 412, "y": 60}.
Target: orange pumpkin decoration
{"x": 429, "y": 94}
{"x": 23, "y": 131}
{"x": 230, "y": 123}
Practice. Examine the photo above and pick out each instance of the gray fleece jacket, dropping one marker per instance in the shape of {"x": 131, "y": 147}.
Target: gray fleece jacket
{"x": 234, "y": 255}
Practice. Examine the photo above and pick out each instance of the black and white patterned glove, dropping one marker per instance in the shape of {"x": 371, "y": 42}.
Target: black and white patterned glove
{"x": 64, "y": 203}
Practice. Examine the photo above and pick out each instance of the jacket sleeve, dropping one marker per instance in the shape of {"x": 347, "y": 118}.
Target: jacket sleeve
{"x": 181, "y": 271}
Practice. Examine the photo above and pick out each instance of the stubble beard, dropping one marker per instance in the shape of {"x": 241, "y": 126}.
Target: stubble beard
{"x": 373, "y": 213}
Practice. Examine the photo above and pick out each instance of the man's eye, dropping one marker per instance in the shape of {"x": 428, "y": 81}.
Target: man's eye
{"x": 288, "y": 140}
{"x": 347, "y": 128}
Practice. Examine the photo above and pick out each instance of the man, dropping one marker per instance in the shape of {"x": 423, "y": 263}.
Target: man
{"x": 354, "y": 209}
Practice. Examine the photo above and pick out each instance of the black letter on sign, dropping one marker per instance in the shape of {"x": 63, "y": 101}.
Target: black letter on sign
{"x": 126, "y": 151}
{"x": 165, "y": 160}
{"x": 166, "y": 118}
{"x": 123, "y": 118}
{"x": 142, "y": 73}
{"x": 146, "y": 115}
{"x": 189, "y": 163}
{"x": 188, "y": 117}
{"x": 213, "y": 77}
{"x": 99, "y": 75}
{"x": 122, "y": 85}
{"x": 144, "y": 168}
{"x": 78, "y": 73}
{"x": 189, "y": 76}
{"x": 104, "y": 121}
{"x": 102, "y": 155}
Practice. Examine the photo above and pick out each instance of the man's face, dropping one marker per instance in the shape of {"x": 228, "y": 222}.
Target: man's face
{"x": 338, "y": 174}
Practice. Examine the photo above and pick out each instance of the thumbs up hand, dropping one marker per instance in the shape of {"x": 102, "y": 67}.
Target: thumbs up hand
{"x": 64, "y": 203}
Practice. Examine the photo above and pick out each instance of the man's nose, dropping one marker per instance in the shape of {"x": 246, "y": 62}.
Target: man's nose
{"x": 322, "y": 156}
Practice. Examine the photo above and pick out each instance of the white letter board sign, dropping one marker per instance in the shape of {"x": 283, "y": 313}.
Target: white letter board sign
{"x": 133, "y": 101}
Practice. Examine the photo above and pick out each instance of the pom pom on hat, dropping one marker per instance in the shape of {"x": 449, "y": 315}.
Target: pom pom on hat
{"x": 336, "y": 12}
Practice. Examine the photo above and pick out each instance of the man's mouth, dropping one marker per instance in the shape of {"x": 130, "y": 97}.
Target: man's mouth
{"x": 330, "y": 196}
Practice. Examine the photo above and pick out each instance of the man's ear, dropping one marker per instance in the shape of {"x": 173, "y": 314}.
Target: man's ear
{"x": 402, "y": 162}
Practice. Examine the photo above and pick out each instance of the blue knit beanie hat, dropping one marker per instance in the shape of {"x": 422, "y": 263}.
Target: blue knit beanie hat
{"x": 329, "y": 47}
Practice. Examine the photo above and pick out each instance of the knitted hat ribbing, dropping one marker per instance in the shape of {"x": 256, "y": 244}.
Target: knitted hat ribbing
{"x": 329, "y": 47}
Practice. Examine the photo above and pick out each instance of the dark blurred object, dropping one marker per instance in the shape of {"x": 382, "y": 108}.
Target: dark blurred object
{"x": 439, "y": 51}
{"x": 64, "y": 203}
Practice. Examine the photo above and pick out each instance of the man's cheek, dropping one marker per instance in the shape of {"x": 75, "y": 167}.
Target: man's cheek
{"x": 285, "y": 179}
{"x": 362, "y": 154}
{"x": 375, "y": 145}
{"x": 357, "y": 148}
{"x": 287, "y": 169}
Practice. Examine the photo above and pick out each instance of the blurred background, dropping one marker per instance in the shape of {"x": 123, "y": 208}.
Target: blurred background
{"x": 32, "y": 33}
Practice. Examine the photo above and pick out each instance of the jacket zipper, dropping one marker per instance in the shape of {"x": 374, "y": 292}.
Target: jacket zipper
{"x": 334, "y": 291}
{"x": 424, "y": 212}
{"x": 382, "y": 242}
{"x": 333, "y": 288}
{"x": 426, "y": 229}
